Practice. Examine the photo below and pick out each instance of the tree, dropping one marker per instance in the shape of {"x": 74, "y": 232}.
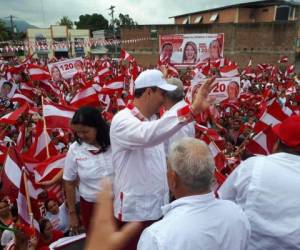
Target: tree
{"x": 124, "y": 20}
{"x": 92, "y": 22}
{"x": 4, "y": 32}
{"x": 66, "y": 21}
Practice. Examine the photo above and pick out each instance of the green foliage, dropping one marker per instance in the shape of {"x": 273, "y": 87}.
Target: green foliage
{"x": 66, "y": 21}
{"x": 4, "y": 32}
{"x": 92, "y": 22}
{"x": 124, "y": 20}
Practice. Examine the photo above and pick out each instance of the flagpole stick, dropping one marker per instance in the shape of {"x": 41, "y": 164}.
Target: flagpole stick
{"x": 27, "y": 197}
{"x": 45, "y": 131}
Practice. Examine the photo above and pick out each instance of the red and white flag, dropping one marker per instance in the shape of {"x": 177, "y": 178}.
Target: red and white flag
{"x": 12, "y": 117}
{"x": 47, "y": 170}
{"x": 283, "y": 59}
{"x": 50, "y": 86}
{"x": 38, "y": 73}
{"x": 42, "y": 144}
{"x": 22, "y": 99}
{"x": 57, "y": 116}
{"x": 263, "y": 142}
{"x": 124, "y": 55}
{"x": 86, "y": 96}
{"x": 229, "y": 71}
{"x": 114, "y": 85}
{"x": 273, "y": 115}
{"x": 13, "y": 185}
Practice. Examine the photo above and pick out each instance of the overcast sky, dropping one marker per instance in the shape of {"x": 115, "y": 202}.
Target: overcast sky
{"x": 43, "y": 13}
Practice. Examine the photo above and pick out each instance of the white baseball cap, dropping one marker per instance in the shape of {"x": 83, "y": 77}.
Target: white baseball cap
{"x": 153, "y": 78}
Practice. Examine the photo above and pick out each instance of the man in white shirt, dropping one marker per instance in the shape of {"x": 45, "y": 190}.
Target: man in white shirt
{"x": 140, "y": 184}
{"x": 174, "y": 101}
{"x": 196, "y": 219}
{"x": 267, "y": 188}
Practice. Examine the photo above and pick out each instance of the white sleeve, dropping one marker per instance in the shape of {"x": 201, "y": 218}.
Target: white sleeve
{"x": 148, "y": 241}
{"x": 70, "y": 168}
{"x": 236, "y": 185}
{"x": 130, "y": 132}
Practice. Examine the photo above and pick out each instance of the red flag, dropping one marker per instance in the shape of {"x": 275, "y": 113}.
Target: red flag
{"x": 12, "y": 117}
{"x": 37, "y": 72}
{"x": 42, "y": 140}
{"x": 47, "y": 170}
{"x": 57, "y": 116}
{"x": 229, "y": 71}
{"x": 283, "y": 59}
{"x": 263, "y": 142}
{"x": 22, "y": 99}
{"x": 272, "y": 116}
{"x": 86, "y": 96}
{"x": 124, "y": 55}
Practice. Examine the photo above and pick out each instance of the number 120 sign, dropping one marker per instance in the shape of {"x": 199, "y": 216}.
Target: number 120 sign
{"x": 66, "y": 68}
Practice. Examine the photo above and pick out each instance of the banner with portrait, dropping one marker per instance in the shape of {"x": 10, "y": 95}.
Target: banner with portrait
{"x": 224, "y": 90}
{"x": 185, "y": 50}
{"x": 65, "y": 69}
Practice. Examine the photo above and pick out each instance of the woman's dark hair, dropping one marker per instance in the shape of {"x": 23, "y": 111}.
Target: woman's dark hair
{"x": 91, "y": 117}
{"x": 43, "y": 222}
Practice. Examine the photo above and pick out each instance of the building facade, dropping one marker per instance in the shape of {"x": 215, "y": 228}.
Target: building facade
{"x": 262, "y": 38}
{"x": 253, "y": 12}
{"x": 58, "y": 41}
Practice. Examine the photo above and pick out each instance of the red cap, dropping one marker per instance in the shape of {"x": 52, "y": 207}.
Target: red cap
{"x": 288, "y": 131}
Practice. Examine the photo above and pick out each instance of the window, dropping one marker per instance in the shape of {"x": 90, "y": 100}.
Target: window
{"x": 214, "y": 17}
{"x": 292, "y": 13}
{"x": 185, "y": 21}
{"x": 282, "y": 13}
{"x": 198, "y": 19}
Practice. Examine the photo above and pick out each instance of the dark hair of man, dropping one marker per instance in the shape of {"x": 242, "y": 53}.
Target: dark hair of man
{"x": 139, "y": 92}
{"x": 43, "y": 222}
{"x": 286, "y": 149}
{"x": 91, "y": 117}
{"x": 7, "y": 83}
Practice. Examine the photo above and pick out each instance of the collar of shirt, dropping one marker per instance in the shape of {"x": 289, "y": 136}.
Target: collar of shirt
{"x": 193, "y": 199}
{"x": 89, "y": 147}
{"x": 135, "y": 112}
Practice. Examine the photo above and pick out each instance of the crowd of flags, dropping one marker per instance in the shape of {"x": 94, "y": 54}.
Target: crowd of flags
{"x": 31, "y": 156}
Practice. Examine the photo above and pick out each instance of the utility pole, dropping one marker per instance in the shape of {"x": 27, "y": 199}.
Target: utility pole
{"x": 11, "y": 26}
{"x": 111, "y": 8}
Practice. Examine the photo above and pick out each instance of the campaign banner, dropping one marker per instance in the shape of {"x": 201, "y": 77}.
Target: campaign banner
{"x": 224, "y": 90}
{"x": 65, "y": 69}
{"x": 185, "y": 50}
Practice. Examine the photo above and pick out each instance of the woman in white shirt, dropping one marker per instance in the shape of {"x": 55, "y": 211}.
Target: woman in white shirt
{"x": 88, "y": 161}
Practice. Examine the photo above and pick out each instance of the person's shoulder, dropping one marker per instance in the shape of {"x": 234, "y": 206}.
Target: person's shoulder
{"x": 75, "y": 145}
{"x": 122, "y": 115}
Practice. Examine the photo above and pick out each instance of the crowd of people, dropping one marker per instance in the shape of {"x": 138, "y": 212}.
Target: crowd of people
{"x": 183, "y": 173}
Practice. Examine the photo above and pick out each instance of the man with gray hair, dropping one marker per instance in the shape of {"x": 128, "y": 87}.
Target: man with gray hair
{"x": 196, "y": 219}
{"x": 174, "y": 100}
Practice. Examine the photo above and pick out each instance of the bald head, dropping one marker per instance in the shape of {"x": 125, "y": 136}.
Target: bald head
{"x": 192, "y": 161}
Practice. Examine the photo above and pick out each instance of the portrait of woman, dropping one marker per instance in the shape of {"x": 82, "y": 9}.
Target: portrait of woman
{"x": 214, "y": 50}
{"x": 56, "y": 74}
{"x": 78, "y": 65}
{"x": 233, "y": 90}
{"x": 189, "y": 53}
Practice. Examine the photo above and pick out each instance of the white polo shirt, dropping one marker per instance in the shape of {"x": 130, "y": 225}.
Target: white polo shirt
{"x": 89, "y": 167}
{"x": 198, "y": 222}
{"x": 267, "y": 188}
{"x": 186, "y": 131}
{"x": 139, "y": 162}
